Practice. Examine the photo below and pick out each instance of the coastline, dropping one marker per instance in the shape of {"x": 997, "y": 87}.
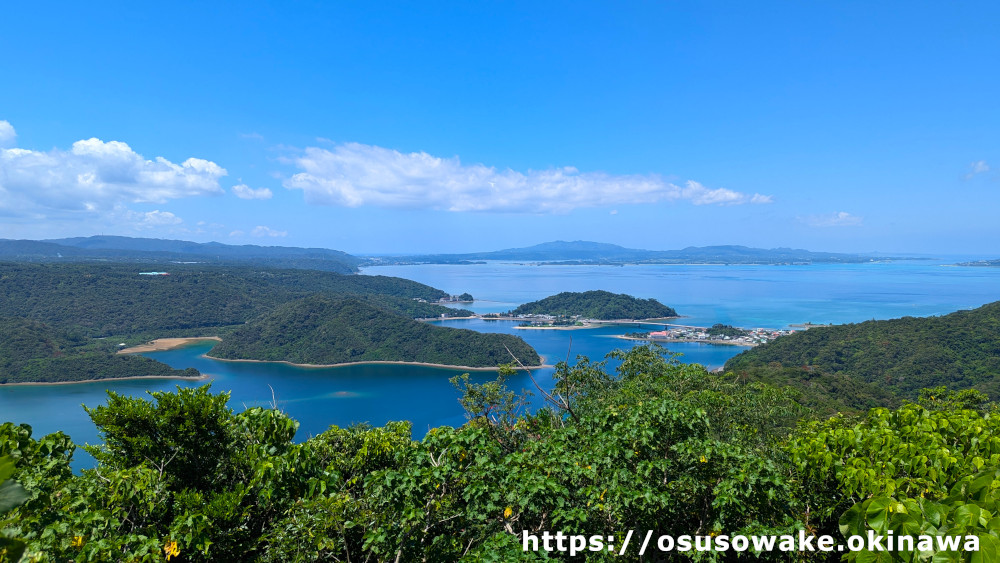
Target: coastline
{"x": 371, "y": 362}
{"x": 684, "y": 340}
{"x": 199, "y": 378}
{"x": 164, "y": 344}
{"x": 596, "y": 323}
{"x": 570, "y": 327}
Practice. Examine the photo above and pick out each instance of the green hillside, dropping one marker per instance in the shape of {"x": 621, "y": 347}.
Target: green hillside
{"x": 113, "y": 299}
{"x": 33, "y": 352}
{"x": 323, "y": 330}
{"x": 900, "y": 356}
{"x": 601, "y": 305}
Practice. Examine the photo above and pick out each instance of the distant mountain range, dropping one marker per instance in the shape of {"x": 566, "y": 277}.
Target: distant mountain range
{"x": 128, "y": 249}
{"x": 585, "y": 252}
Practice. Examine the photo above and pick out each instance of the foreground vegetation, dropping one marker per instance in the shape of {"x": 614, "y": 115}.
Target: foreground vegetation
{"x": 599, "y": 305}
{"x": 655, "y": 445}
{"x": 888, "y": 361}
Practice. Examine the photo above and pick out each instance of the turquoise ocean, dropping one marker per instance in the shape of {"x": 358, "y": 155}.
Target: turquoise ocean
{"x": 746, "y": 296}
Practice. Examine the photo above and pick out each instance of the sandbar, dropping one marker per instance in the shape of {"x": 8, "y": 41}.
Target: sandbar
{"x": 162, "y": 344}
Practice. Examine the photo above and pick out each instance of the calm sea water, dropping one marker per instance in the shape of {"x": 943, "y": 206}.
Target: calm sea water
{"x": 749, "y": 296}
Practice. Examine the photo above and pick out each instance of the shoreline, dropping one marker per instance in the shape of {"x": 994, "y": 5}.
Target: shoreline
{"x": 372, "y": 362}
{"x": 164, "y": 344}
{"x": 571, "y": 327}
{"x": 199, "y": 378}
{"x": 590, "y": 323}
{"x": 684, "y": 340}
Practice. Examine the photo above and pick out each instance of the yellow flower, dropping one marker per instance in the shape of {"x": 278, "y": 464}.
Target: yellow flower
{"x": 507, "y": 512}
{"x": 77, "y": 541}
{"x": 171, "y": 550}
{"x": 703, "y": 460}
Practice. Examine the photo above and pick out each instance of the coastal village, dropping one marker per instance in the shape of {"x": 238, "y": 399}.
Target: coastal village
{"x": 717, "y": 334}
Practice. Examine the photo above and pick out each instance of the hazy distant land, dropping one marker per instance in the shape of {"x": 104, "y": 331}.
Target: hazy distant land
{"x": 585, "y": 252}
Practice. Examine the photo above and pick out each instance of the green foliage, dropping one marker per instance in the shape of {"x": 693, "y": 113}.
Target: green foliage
{"x": 320, "y": 330}
{"x": 12, "y": 495}
{"x": 654, "y": 445}
{"x": 822, "y": 394}
{"x": 909, "y": 453}
{"x": 601, "y": 305}
{"x": 971, "y": 509}
{"x": 719, "y": 329}
{"x": 901, "y": 355}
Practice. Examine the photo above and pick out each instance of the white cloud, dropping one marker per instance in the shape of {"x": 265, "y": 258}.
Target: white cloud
{"x": 354, "y": 174}
{"x": 237, "y": 233}
{"x": 839, "y": 219}
{"x": 262, "y": 231}
{"x": 96, "y": 177}
{"x": 7, "y": 134}
{"x": 244, "y": 191}
{"x": 977, "y": 167}
{"x": 153, "y": 219}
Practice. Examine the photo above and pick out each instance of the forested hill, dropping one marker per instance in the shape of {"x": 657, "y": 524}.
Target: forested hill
{"x": 960, "y": 350}
{"x": 321, "y": 330}
{"x": 163, "y": 251}
{"x": 31, "y": 351}
{"x": 600, "y": 305}
{"x": 115, "y": 299}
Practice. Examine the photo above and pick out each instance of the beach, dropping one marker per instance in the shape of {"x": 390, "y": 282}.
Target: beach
{"x": 162, "y": 344}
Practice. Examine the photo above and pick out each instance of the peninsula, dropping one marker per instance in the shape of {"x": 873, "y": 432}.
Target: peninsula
{"x": 320, "y": 330}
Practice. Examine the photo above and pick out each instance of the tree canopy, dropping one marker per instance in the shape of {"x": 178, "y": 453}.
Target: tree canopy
{"x": 600, "y": 305}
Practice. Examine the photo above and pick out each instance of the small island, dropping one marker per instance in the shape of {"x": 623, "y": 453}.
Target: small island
{"x": 981, "y": 264}
{"x": 586, "y": 309}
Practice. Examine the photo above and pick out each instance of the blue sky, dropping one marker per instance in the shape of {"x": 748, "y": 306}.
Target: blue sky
{"x": 404, "y": 128}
